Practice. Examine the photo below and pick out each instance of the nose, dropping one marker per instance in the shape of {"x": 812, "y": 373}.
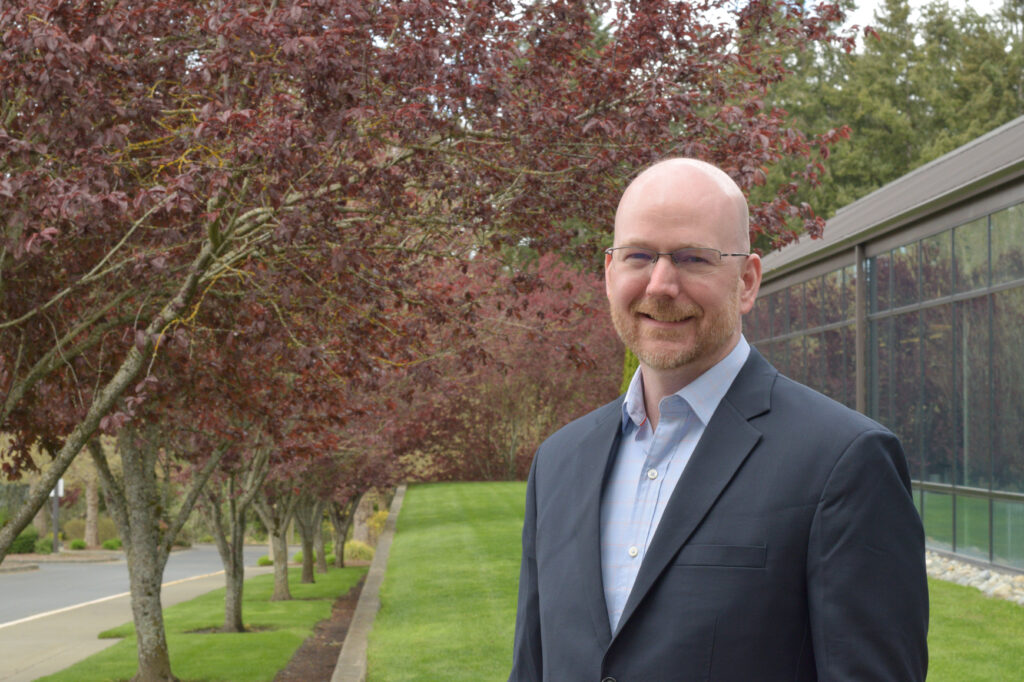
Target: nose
{"x": 664, "y": 279}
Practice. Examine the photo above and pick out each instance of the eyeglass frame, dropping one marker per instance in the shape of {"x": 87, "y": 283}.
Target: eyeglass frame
{"x": 610, "y": 251}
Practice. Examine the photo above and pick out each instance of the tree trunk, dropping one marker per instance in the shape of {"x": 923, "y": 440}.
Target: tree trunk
{"x": 364, "y": 510}
{"x": 146, "y": 560}
{"x": 318, "y": 539}
{"x": 341, "y": 520}
{"x": 306, "y": 518}
{"x": 92, "y": 510}
{"x": 276, "y": 515}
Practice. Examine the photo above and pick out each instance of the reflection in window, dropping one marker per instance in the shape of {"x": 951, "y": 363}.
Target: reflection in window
{"x": 1008, "y": 244}
{"x": 1007, "y": 389}
{"x": 1008, "y": 533}
{"x": 937, "y": 397}
{"x": 906, "y": 388}
{"x": 973, "y": 415}
{"x": 970, "y": 248}
{"x": 972, "y": 527}
{"x": 936, "y": 266}
{"x": 879, "y": 277}
{"x": 905, "y": 278}
{"x": 938, "y": 519}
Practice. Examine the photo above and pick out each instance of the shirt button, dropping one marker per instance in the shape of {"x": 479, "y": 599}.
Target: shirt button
{"x": 633, "y": 551}
{"x": 652, "y": 474}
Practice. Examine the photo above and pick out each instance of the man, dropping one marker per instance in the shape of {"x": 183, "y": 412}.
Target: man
{"x": 719, "y": 521}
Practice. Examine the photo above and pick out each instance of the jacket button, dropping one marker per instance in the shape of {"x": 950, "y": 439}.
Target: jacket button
{"x": 608, "y": 679}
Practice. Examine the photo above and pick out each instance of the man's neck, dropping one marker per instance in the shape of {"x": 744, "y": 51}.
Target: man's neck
{"x": 660, "y": 383}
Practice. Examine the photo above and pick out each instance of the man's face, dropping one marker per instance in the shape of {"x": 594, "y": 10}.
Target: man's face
{"x": 674, "y": 321}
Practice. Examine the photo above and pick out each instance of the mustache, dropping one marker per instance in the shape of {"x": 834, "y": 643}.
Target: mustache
{"x": 665, "y": 310}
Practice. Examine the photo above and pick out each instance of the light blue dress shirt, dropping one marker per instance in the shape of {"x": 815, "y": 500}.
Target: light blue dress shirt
{"x": 647, "y": 467}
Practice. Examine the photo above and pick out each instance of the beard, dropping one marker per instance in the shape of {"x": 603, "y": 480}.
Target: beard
{"x": 665, "y": 349}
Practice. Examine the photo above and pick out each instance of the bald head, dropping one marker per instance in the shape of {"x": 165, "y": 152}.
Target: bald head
{"x": 687, "y": 191}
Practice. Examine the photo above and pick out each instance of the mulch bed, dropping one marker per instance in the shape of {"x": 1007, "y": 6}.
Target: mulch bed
{"x": 315, "y": 660}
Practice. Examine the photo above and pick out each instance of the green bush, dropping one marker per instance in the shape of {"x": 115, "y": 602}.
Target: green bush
{"x": 375, "y": 524}
{"x": 25, "y": 543}
{"x": 298, "y": 557}
{"x": 264, "y": 561}
{"x": 75, "y": 529}
{"x": 358, "y": 551}
{"x": 78, "y": 544}
{"x": 44, "y": 545}
{"x": 112, "y": 543}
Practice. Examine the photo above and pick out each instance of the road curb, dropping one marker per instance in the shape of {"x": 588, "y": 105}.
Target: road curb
{"x": 351, "y": 665}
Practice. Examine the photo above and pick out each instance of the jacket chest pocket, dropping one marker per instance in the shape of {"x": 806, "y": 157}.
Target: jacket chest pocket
{"x": 728, "y": 556}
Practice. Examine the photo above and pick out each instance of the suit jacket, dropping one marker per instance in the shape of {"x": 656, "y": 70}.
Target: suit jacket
{"x": 790, "y": 550}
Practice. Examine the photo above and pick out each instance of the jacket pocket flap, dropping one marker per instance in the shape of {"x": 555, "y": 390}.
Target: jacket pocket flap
{"x": 740, "y": 556}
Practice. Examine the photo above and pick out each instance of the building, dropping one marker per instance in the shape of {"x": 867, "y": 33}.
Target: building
{"x": 910, "y": 309}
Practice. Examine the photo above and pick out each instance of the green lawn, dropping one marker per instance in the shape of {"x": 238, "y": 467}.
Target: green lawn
{"x": 448, "y": 599}
{"x": 279, "y": 629}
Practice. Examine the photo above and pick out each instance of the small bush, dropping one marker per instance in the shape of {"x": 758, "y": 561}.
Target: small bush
{"x": 375, "y": 524}
{"x": 44, "y": 545}
{"x": 298, "y": 557}
{"x": 78, "y": 544}
{"x": 25, "y": 543}
{"x": 112, "y": 543}
{"x": 264, "y": 561}
{"x": 358, "y": 551}
{"x": 75, "y": 529}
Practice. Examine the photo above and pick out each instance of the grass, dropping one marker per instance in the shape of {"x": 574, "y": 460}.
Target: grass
{"x": 281, "y": 627}
{"x": 448, "y": 599}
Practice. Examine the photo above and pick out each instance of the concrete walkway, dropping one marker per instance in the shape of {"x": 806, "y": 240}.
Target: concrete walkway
{"x": 351, "y": 665}
{"x": 48, "y": 643}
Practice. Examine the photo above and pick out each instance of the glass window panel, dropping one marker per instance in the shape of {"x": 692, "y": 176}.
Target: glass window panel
{"x": 1008, "y": 244}
{"x": 813, "y": 303}
{"x": 906, "y": 388}
{"x": 972, "y": 527}
{"x": 795, "y": 306}
{"x": 879, "y": 278}
{"x": 833, "y": 352}
{"x": 832, "y": 297}
{"x": 814, "y": 361}
{"x": 1007, "y": 359}
{"x": 849, "y": 292}
{"x": 780, "y": 316}
{"x": 849, "y": 333}
{"x": 937, "y": 266}
{"x": 1008, "y": 533}
{"x": 796, "y": 368}
{"x": 973, "y": 415}
{"x": 880, "y": 373}
{"x": 970, "y": 250}
{"x": 905, "y": 279}
{"x": 938, "y": 519}
{"x": 750, "y": 329}
{"x": 936, "y": 409}
{"x": 763, "y": 313}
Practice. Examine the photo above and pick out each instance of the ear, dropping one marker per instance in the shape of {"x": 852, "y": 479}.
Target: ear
{"x": 750, "y": 282}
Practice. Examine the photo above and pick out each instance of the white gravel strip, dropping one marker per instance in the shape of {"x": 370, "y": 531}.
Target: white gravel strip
{"x": 993, "y": 581}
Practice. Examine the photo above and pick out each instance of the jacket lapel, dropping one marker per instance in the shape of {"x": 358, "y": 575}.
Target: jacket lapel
{"x": 594, "y": 457}
{"x": 727, "y": 441}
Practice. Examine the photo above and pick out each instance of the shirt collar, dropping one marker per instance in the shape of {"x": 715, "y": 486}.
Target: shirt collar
{"x": 702, "y": 394}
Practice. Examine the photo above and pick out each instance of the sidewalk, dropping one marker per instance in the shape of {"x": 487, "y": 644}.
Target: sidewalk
{"x": 48, "y": 643}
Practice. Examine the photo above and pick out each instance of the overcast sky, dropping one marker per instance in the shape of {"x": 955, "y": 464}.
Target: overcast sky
{"x": 866, "y": 12}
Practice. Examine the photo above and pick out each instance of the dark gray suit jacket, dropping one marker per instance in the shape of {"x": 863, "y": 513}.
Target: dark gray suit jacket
{"x": 790, "y": 550}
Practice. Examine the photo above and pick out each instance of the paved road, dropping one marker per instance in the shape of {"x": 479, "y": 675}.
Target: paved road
{"x": 64, "y": 607}
{"x": 59, "y": 585}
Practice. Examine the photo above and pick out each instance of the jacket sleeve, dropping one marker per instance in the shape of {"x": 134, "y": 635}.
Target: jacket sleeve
{"x": 867, "y": 585}
{"x": 526, "y": 654}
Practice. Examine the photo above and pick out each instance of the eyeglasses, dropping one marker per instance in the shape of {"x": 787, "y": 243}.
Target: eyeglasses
{"x": 691, "y": 260}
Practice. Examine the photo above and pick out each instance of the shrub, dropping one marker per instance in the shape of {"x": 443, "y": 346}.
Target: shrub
{"x": 298, "y": 557}
{"x": 44, "y": 545}
{"x": 75, "y": 529}
{"x": 264, "y": 561}
{"x": 112, "y": 543}
{"x": 25, "y": 543}
{"x": 78, "y": 544}
{"x": 358, "y": 551}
